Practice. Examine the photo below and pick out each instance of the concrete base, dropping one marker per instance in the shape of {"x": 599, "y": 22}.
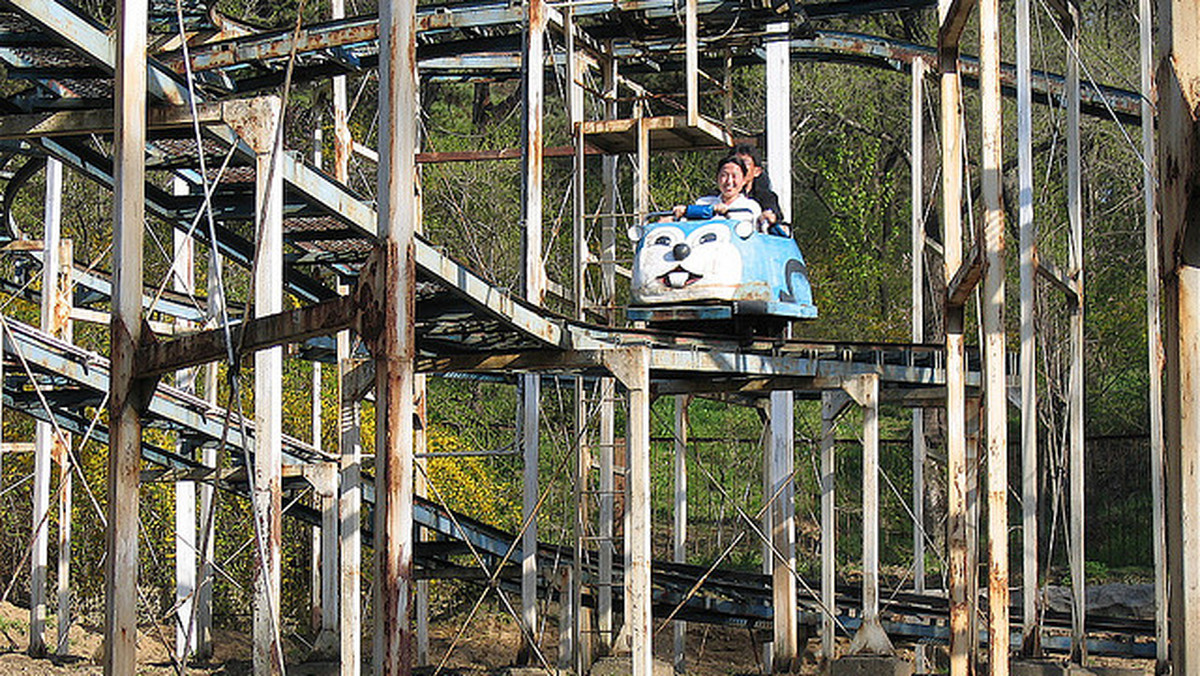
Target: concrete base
{"x": 536, "y": 671}
{"x": 620, "y": 666}
{"x": 1044, "y": 667}
{"x": 870, "y": 665}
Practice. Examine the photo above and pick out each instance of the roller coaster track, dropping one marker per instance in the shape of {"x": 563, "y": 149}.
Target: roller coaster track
{"x": 73, "y": 379}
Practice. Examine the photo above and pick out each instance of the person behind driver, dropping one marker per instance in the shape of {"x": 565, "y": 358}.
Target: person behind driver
{"x": 729, "y": 201}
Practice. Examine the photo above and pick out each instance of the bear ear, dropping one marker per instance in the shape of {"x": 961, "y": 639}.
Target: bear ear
{"x": 744, "y": 229}
{"x": 635, "y": 233}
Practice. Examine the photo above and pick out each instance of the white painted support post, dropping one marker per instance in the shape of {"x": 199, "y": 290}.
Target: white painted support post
{"x": 833, "y": 402}
{"x": 317, "y": 596}
{"x": 394, "y": 350}
{"x": 534, "y": 289}
{"x": 328, "y": 565}
{"x": 187, "y": 545}
{"x": 632, "y": 367}
{"x": 421, "y": 487}
{"x": 607, "y": 513}
{"x": 691, "y": 47}
{"x": 1075, "y": 549}
{"x": 571, "y": 650}
{"x": 996, "y": 387}
{"x": 45, "y": 447}
{"x": 679, "y": 546}
{"x": 917, "y": 219}
{"x": 268, "y": 388}
{"x": 208, "y": 457}
{"x": 870, "y": 639}
{"x": 125, "y": 427}
{"x": 607, "y": 386}
{"x": 785, "y": 657}
{"x": 1031, "y": 639}
{"x": 956, "y": 455}
{"x": 1155, "y": 356}
{"x": 349, "y": 514}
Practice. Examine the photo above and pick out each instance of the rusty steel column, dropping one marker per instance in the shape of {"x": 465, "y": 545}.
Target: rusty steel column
{"x": 574, "y": 636}
{"x": 260, "y": 131}
{"x": 1179, "y": 251}
{"x": 394, "y": 348}
{"x": 632, "y": 366}
{"x": 996, "y": 388}
{"x": 870, "y": 639}
{"x": 956, "y": 452}
{"x": 125, "y": 427}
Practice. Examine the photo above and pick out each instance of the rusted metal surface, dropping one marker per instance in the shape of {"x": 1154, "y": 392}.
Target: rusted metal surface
{"x": 632, "y": 367}
{"x": 125, "y": 428}
{"x": 100, "y": 121}
{"x": 956, "y": 516}
{"x": 261, "y": 333}
{"x": 393, "y": 349}
{"x": 255, "y": 122}
{"x": 870, "y": 638}
{"x": 1046, "y": 86}
{"x": 993, "y": 298}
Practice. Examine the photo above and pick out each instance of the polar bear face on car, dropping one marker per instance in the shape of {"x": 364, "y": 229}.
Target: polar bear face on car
{"x": 686, "y": 261}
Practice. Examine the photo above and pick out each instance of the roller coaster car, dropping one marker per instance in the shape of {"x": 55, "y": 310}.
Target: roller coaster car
{"x": 715, "y": 274}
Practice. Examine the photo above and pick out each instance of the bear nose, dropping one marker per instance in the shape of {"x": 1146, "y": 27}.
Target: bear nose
{"x": 681, "y": 251}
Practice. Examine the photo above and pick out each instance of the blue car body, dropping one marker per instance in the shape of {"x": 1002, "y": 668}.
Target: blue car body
{"x": 711, "y": 267}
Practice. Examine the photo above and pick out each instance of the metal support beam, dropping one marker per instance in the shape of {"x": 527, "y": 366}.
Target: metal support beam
{"x": 394, "y": 348}
{"x": 1155, "y": 356}
{"x": 632, "y": 367}
{"x": 1031, "y": 639}
{"x": 833, "y": 402}
{"x": 187, "y": 545}
{"x": 268, "y": 390}
{"x": 691, "y": 47}
{"x": 996, "y": 387}
{"x": 1075, "y": 470}
{"x": 917, "y": 219}
{"x": 679, "y": 534}
{"x": 534, "y": 280}
{"x": 125, "y": 427}
{"x": 47, "y": 447}
{"x": 786, "y": 652}
{"x": 956, "y": 457}
{"x": 870, "y": 639}
{"x": 349, "y": 513}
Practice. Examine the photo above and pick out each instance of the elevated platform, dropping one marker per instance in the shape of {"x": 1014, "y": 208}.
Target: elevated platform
{"x": 666, "y": 133}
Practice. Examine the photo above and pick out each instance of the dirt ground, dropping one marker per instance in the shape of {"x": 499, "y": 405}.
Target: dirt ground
{"x": 487, "y": 647}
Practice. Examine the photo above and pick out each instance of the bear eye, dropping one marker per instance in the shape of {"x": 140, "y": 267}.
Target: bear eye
{"x": 662, "y": 240}
{"x": 708, "y": 237}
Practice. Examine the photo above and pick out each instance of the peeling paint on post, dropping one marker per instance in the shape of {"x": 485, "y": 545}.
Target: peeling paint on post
{"x": 393, "y": 343}
{"x": 125, "y": 428}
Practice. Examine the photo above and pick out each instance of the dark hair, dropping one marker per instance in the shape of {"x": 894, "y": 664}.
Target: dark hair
{"x": 732, "y": 159}
{"x": 749, "y": 151}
